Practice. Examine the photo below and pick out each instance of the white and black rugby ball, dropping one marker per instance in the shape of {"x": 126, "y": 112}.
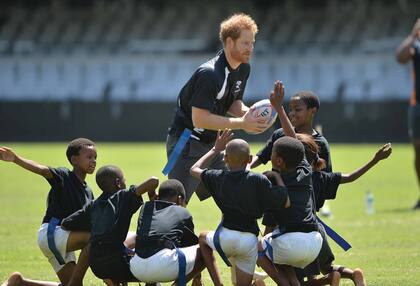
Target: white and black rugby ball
{"x": 264, "y": 109}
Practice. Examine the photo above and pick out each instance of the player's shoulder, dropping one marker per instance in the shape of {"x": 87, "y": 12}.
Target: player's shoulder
{"x": 258, "y": 177}
{"x": 319, "y": 137}
{"x": 181, "y": 212}
{"x": 207, "y": 71}
{"x": 278, "y": 133}
{"x": 245, "y": 68}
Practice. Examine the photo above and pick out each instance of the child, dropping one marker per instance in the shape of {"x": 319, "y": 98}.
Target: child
{"x": 108, "y": 219}
{"x": 69, "y": 193}
{"x": 166, "y": 246}
{"x": 302, "y": 109}
{"x": 325, "y": 185}
{"x": 242, "y": 196}
{"x": 296, "y": 240}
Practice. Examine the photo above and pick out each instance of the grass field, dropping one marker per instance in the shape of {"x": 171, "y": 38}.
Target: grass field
{"x": 386, "y": 245}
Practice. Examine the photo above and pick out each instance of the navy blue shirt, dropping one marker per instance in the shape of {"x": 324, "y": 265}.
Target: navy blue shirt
{"x": 264, "y": 154}
{"x": 243, "y": 197}
{"x": 67, "y": 195}
{"x": 214, "y": 86}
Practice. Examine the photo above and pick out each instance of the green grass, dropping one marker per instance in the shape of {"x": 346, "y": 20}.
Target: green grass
{"x": 386, "y": 245}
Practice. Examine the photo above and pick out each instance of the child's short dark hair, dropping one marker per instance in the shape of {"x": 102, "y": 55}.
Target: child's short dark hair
{"x": 106, "y": 177}
{"x": 75, "y": 145}
{"x": 290, "y": 149}
{"x": 171, "y": 188}
{"x": 309, "y": 98}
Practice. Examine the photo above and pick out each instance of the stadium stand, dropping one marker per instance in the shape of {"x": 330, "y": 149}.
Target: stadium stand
{"x": 87, "y": 49}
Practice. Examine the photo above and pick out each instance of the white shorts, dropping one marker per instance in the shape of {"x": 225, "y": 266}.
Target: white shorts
{"x": 60, "y": 237}
{"x": 296, "y": 249}
{"x": 242, "y": 246}
{"x": 162, "y": 266}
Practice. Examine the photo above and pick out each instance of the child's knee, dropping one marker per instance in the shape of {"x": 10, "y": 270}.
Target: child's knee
{"x": 16, "y": 279}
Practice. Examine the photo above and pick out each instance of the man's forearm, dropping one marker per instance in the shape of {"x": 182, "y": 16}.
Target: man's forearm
{"x": 211, "y": 121}
{"x": 404, "y": 53}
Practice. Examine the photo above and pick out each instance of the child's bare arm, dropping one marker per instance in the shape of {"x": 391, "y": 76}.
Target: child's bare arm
{"x": 276, "y": 99}
{"x": 221, "y": 141}
{"x": 8, "y": 155}
{"x": 255, "y": 162}
{"x": 381, "y": 154}
{"x": 149, "y": 186}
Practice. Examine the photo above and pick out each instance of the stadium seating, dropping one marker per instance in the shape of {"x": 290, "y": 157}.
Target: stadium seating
{"x": 145, "y": 50}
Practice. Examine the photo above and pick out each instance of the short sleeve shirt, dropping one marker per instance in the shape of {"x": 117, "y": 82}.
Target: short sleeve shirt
{"x": 243, "y": 197}
{"x": 264, "y": 154}
{"x": 67, "y": 195}
{"x": 214, "y": 86}
{"x": 325, "y": 186}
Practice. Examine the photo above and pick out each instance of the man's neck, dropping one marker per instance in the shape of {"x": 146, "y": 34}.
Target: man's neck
{"x": 233, "y": 64}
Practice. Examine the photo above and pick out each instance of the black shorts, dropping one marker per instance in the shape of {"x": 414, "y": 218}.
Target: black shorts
{"x": 414, "y": 122}
{"x": 113, "y": 265}
{"x": 192, "y": 151}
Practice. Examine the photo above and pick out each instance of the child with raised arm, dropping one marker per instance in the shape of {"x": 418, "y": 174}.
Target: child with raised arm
{"x": 303, "y": 107}
{"x": 295, "y": 240}
{"x": 325, "y": 185}
{"x": 242, "y": 196}
{"x": 108, "y": 220}
{"x": 69, "y": 193}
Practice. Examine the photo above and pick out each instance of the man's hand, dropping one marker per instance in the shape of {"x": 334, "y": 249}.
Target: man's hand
{"x": 7, "y": 154}
{"x": 384, "y": 152}
{"x": 415, "y": 32}
{"x": 277, "y": 95}
{"x": 253, "y": 124}
{"x": 222, "y": 139}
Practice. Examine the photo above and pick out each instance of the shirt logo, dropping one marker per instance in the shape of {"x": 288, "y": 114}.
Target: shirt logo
{"x": 238, "y": 86}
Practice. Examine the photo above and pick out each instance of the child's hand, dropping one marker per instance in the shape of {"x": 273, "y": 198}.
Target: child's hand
{"x": 222, "y": 139}
{"x": 384, "y": 152}
{"x": 7, "y": 154}
{"x": 151, "y": 184}
{"x": 277, "y": 95}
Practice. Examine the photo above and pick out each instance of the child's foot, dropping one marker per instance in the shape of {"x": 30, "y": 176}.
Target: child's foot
{"x": 358, "y": 278}
{"x": 197, "y": 282}
{"x": 15, "y": 279}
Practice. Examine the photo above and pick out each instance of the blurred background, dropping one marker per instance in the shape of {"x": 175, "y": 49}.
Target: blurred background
{"x": 112, "y": 70}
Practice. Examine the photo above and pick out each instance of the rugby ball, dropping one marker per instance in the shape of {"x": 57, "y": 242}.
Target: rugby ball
{"x": 264, "y": 109}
